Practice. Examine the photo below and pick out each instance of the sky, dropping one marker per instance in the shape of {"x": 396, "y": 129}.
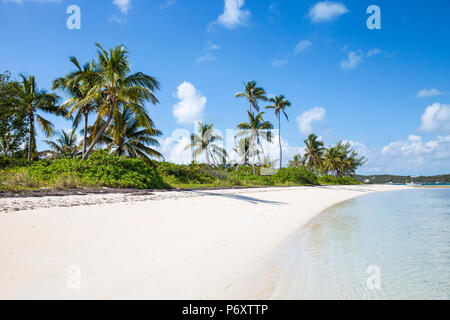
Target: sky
{"x": 386, "y": 91}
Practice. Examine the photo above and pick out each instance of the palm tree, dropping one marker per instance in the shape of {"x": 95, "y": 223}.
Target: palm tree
{"x": 313, "y": 152}
{"x": 65, "y": 146}
{"x": 279, "y": 104}
{"x": 243, "y": 150}
{"x": 296, "y": 162}
{"x": 253, "y": 130}
{"x": 78, "y": 90}
{"x": 331, "y": 160}
{"x": 204, "y": 142}
{"x": 113, "y": 86}
{"x": 35, "y": 100}
{"x": 126, "y": 137}
{"x": 252, "y": 93}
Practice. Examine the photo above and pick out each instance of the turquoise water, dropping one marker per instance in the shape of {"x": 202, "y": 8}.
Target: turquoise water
{"x": 392, "y": 245}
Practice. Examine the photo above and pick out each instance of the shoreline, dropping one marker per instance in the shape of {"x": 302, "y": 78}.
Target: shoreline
{"x": 195, "y": 245}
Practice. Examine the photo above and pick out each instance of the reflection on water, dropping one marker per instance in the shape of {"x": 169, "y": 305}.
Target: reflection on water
{"x": 406, "y": 234}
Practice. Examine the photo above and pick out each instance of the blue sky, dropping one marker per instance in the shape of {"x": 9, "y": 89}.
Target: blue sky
{"x": 387, "y": 91}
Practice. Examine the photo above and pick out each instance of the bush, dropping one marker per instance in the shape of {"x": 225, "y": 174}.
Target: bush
{"x": 298, "y": 176}
{"x": 332, "y": 180}
{"x": 100, "y": 170}
{"x": 7, "y": 162}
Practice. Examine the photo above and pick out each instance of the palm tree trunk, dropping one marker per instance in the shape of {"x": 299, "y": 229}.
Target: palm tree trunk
{"x": 279, "y": 140}
{"x": 99, "y": 134}
{"x": 86, "y": 115}
{"x": 207, "y": 156}
{"x": 30, "y": 134}
{"x": 245, "y": 156}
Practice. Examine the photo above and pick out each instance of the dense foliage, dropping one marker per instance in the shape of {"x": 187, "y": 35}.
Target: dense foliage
{"x": 13, "y": 120}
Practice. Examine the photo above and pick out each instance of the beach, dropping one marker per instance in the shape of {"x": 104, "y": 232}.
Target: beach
{"x": 161, "y": 245}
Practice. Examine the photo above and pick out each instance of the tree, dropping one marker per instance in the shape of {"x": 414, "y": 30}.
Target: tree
{"x": 254, "y": 130}
{"x": 205, "y": 143}
{"x": 313, "y": 153}
{"x": 65, "y": 146}
{"x": 126, "y": 137}
{"x": 78, "y": 89}
{"x": 279, "y": 105}
{"x": 296, "y": 162}
{"x": 35, "y": 100}
{"x": 113, "y": 86}
{"x": 253, "y": 94}
{"x": 13, "y": 119}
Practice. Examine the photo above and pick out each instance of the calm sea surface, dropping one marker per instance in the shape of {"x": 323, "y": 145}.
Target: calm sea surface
{"x": 391, "y": 245}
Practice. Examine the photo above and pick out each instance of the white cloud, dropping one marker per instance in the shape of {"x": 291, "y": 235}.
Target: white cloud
{"x": 373, "y": 52}
{"x": 167, "y": 4}
{"x": 302, "y": 46}
{"x": 425, "y": 93}
{"x": 417, "y": 149}
{"x": 279, "y": 63}
{"x": 327, "y": 11}
{"x": 191, "y": 105}
{"x": 233, "y": 15}
{"x": 306, "y": 119}
{"x": 436, "y": 118}
{"x": 354, "y": 59}
{"x": 123, "y": 5}
{"x": 173, "y": 147}
{"x": 208, "y": 57}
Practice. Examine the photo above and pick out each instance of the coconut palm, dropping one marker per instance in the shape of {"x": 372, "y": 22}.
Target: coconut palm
{"x": 33, "y": 101}
{"x": 126, "y": 137}
{"x": 255, "y": 131}
{"x": 243, "y": 150}
{"x": 65, "y": 146}
{"x": 347, "y": 160}
{"x": 296, "y": 161}
{"x": 253, "y": 94}
{"x": 313, "y": 152}
{"x": 204, "y": 143}
{"x": 331, "y": 160}
{"x": 279, "y": 105}
{"x": 114, "y": 86}
{"x": 78, "y": 90}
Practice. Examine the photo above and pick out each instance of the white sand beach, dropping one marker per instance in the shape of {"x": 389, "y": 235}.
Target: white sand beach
{"x": 167, "y": 245}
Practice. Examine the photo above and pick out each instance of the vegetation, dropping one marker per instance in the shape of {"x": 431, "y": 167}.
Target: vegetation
{"x": 203, "y": 143}
{"x": 118, "y": 148}
{"x": 279, "y": 105}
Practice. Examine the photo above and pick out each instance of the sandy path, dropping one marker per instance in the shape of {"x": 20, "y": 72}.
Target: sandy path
{"x": 201, "y": 245}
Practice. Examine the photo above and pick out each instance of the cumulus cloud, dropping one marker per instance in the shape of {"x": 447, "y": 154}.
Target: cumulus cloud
{"x": 418, "y": 149}
{"x": 306, "y": 119}
{"x": 123, "y": 5}
{"x": 167, "y": 4}
{"x": 354, "y": 59}
{"x": 191, "y": 105}
{"x": 373, "y": 52}
{"x": 436, "y": 118}
{"x": 233, "y": 16}
{"x": 302, "y": 46}
{"x": 425, "y": 93}
{"x": 325, "y": 11}
{"x": 173, "y": 148}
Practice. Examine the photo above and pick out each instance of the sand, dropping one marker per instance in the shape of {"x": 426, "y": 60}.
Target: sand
{"x": 167, "y": 245}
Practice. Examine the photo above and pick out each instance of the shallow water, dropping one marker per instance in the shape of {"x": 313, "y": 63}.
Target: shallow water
{"x": 392, "y": 245}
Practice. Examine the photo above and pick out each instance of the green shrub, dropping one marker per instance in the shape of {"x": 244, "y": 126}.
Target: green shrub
{"x": 297, "y": 176}
{"x": 332, "y": 180}
{"x": 101, "y": 170}
{"x": 7, "y": 162}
